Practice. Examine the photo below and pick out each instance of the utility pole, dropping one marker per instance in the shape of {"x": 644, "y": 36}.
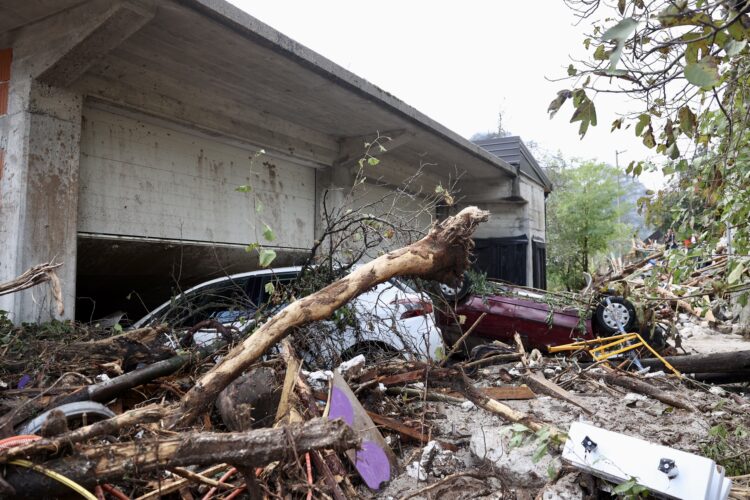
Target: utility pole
{"x": 617, "y": 165}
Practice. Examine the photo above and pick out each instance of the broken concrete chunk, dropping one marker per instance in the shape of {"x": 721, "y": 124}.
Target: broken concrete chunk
{"x": 566, "y": 488}
{"x": 515, "y": 465}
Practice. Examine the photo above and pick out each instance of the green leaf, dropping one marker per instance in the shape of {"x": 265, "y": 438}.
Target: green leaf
{"x": 624, "y": 487}
{"x": 572, "y": 71}
{"x": 704, "y": 73}
{"x": 736, "y": 273}
{"x": 585, "y": 112}
{"x": 519, "y": 428}
{"x": 648, "y": 138}
{"x": 643, "y": 120}
{"x": 117, "y": 327}
{"x": 539, "y": 453}
{"x": 600, "y": 54}
{"x": 266, "y": 257}
{"x": 673, "y": 151}
{"x": 268, "y": 233}
{"x": 252, "y": 247}
{"x": 687, "y": 120}
{"x": 269, "y": 288}
{"x": 372, "y": 161}
{"x": 734, "y": 47}
{"x": 244, "y": 188}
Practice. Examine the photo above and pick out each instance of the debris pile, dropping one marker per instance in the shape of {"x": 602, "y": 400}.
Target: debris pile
{"x": 128, "y": 414}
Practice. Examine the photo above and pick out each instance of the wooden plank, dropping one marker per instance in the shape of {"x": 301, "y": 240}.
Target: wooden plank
{"x": 404, "y": 430}
{"x": 504, "y": 392}
{"x": 541, "y": 384}
{"x": 416, "y": 376}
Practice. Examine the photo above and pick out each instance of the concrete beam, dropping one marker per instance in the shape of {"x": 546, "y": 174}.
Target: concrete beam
{"x": 352, "y": 149}
{"x": 119, "y": 23}
{"x": 59, "y": 49}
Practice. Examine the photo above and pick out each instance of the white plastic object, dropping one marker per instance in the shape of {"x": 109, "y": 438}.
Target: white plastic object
{"x": 619, "y": 458}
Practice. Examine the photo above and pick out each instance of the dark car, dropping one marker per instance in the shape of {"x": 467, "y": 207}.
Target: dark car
{"x": 541, "y": 319}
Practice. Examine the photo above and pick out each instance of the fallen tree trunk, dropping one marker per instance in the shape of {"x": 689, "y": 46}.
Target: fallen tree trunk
{"x": 723, "y": 378}
{"x": 151, "y": 413}
{"x": 633, "y": 384}
{"x": 98, "y": 464}
{"x": 442, "y": 255}
{"x": 721, "y": 362}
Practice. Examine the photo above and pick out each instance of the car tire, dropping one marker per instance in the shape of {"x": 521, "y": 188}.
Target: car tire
{"x": 606, "y": 317}
{"x": 455, "y": 293}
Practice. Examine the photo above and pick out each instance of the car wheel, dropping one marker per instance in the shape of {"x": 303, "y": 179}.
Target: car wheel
{"x": 619, "y": 310}
{"x": 455, "y": 293}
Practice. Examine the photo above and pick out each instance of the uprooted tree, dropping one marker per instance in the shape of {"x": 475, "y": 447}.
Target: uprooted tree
{"x": 442, "y": 255}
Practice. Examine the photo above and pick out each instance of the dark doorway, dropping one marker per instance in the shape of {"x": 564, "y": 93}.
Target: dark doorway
{"x": 502, "y": 258}
{"x": 539, "y": 257}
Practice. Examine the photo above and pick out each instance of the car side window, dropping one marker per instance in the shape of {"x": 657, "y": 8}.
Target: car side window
{"x": 279, "y": 281}
{"x": 226, "y": 301}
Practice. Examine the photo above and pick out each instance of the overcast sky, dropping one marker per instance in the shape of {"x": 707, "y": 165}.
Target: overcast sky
{"x": 461, "y": 63}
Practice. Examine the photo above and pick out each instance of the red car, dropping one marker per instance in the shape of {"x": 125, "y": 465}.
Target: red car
{"x": 541, "y": 319}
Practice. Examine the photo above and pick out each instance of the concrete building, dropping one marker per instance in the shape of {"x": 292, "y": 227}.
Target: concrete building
{"x": 127, "y": 125}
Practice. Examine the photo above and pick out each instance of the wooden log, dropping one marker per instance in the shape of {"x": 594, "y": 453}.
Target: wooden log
{"x": 442, "y": 255}
{"x": 540, "y": 384}
{"x": 723, "y": 378}
{"x": 106, "y": 463}
{"x": 406, "y": 432}
{"x": 475, "y": 396}
{"x": 151, "y": 413}
{"x": 633, "y": 384}
{"x": 720, "y": 362}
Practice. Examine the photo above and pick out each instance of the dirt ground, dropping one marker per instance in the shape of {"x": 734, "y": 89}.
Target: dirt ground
{"x": 497, "y": 470}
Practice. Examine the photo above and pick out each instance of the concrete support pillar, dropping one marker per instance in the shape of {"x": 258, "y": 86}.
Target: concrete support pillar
{"x": 39, "y": 193}
{"x": 332, "y": 184}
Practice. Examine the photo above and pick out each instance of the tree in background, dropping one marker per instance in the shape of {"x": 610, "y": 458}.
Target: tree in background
{"x": 686, "y": 64}
{"x": 583, "y": 220}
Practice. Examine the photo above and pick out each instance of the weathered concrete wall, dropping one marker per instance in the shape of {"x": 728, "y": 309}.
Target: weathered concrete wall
{"x": 39, "y": 192}
{"x": 144, "y": 180}
{"x": 518, "y": 218}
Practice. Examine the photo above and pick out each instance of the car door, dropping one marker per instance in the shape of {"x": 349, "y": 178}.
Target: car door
{"x": 541, "y": 325}
{"x": 498, "y": 324}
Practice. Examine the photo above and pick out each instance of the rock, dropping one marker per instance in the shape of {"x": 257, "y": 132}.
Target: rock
{"x": 468, "y": 406}
{"x": 724, "y": 328}
{"x": 515, "y": 466}
{"x": 353, "y": 367}
{"x": 566, "y": 488}
{"x": 717, "y": 391}
{"x": 318, "y": 380}
{"x": 416, "y": 471}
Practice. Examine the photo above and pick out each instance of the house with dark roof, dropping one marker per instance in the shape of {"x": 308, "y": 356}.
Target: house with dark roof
{"x": 126, "y": 127}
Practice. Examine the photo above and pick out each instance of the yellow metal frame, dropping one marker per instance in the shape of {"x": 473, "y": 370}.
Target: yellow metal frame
{"x": 601, "y": 353}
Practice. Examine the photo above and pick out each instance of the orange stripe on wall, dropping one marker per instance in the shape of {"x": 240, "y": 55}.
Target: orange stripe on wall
{"x": 6, "y": 57}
